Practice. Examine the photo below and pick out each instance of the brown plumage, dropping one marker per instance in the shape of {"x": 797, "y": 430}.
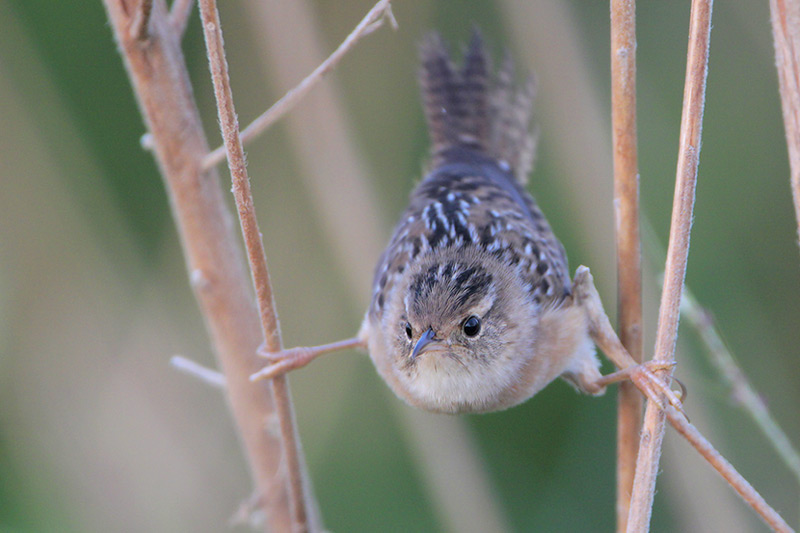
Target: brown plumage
{"x": 473, "y": 253}
{"x": 472, "y": 307}
{"x": 466, "y": 108}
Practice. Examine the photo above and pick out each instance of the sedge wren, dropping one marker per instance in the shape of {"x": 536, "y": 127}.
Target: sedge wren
{"x": 472, "y": 307}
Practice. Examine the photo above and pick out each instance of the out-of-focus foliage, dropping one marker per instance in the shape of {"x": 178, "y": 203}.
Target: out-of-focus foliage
{"x": 98, "y": 433}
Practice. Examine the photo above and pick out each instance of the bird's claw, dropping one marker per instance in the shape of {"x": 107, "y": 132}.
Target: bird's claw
{"x": 652, "y": 386}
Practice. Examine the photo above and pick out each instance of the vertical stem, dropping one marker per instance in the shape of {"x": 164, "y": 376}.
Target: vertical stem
{"x": 786, "y": 33}
{"x": 629, "y": 271}
{"x": 677, "y": 255}
{"x": 255, "y": 254}
{"x": 162, "y": 88}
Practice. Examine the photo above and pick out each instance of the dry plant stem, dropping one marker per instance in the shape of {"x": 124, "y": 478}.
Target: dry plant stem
{"x": 179, "y": 15}
{"x": 677, "y": 255}
{"x": 161, "y": 84}
{"x": 194, "y": 369}
{"x": 742, "y": 391}
{"x": 256, "y": 257}
{"x": 371, "y": 21}
{"x": 320, "y": 126}
{"x": 727, "y": 471}
{"x": 294, "y": 358}
{"x": 606, "y": 339}
{"x": 785, "y": 15}
{"x": 141, "y": 20}
{"x": 629, "y": 266}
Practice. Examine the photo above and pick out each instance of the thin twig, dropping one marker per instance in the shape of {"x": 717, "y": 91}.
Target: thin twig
{"x": 334, "y": 174}
{"x": 727, "y": 471}
{"x": 179, "y": 16}
{"x": 162, "y": 87}
{"x": 194, "y": 369}
{"x": 255, "y": 254}
{"x": 677, "y": 256}
{"x": 331, "y": 167}
{"x": 373, "y": 20}
{"x": 629, "y": 263}
{"x": 551, "y": 24}
{"x": 606, "y": 339}
{"x": 141, "y": 20}
{"x": 742, "y": 390}
{"x": 786, "y": 33}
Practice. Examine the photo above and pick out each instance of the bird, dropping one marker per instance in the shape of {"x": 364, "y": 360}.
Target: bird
{"x": 472, "y": 307}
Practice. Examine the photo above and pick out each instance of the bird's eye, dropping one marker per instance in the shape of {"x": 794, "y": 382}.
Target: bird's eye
{"x": 409, "y": 331}
{"x": 472, "y": 326}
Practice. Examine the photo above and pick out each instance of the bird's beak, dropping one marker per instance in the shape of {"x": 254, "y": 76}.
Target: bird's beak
{"x": 425, "y": 341}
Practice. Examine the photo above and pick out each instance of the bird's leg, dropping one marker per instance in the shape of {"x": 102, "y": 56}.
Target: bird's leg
{"x": 286, "y": 360}
{"x": 640, "y": 374}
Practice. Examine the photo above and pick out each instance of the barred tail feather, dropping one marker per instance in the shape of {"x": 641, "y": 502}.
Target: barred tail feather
{"x": 466, "y": 108}
{"x": 511, "y": 108}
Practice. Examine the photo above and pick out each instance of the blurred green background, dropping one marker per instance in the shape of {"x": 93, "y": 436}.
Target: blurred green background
{"x": 99, "y": 433}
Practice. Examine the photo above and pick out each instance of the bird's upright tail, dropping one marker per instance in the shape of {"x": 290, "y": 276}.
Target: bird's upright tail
{"x": 472, "y": 108}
